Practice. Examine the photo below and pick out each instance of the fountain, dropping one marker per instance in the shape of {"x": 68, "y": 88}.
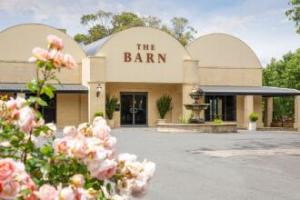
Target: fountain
{"x": 196, "y": 123}
{"x": 196, "y": 107}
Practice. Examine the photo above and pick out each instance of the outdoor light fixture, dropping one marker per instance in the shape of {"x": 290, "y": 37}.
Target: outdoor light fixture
{"x": 98, "y": 90}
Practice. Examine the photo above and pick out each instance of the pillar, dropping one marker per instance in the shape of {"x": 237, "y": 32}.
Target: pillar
{"x": 190, "y": 80}
{"x": 186, "y": 99}
{"x": 96, "y": 103}
{"x": 269, "y": 113}
{"x": 248, "y": 109}
{"x": 93, "y": 76}
{"x": 297, "y": 113}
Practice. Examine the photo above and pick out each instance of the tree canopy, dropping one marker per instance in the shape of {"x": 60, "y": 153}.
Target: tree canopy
{"x": 283, "y": 73}
{"x": 102, "y": 24}
{"x": 294, "y": 13}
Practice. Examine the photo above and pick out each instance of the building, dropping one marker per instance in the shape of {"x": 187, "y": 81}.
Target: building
{"x": 138, "y": 66}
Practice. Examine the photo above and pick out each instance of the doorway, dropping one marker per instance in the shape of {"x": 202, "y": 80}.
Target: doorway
{"x": 133, "y": 109}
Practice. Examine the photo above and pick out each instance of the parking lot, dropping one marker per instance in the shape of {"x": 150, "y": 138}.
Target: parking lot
{"x": 245, "y": 165}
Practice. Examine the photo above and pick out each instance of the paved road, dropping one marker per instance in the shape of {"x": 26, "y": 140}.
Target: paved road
{"x": 260, "y": 165}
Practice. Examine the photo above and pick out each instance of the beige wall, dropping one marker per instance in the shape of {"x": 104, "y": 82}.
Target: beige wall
{"x": 154, "y": 92}
{"x": 72, "y": 109}
{"x": 230, "y": 76}
{"x": 225, "y": 60}
{"x": 16, "y": 44}
{"x": 126, "y": 41}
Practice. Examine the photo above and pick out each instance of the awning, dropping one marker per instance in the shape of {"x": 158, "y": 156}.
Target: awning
{"x": 63, "y": 88}
{"x": 248, "y": 90}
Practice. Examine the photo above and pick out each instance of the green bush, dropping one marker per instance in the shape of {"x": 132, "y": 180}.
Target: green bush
{"x": 99, "y": 114}
{"x": 218, "y": 121}
{"x": 183, "y": 120}
{"x": 110, "y": 106}
{"x": 253, "y": 117}
{"x": 164, "y": 105}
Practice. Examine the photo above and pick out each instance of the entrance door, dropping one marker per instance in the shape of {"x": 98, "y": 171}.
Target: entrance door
{"x": 134, "y": 108}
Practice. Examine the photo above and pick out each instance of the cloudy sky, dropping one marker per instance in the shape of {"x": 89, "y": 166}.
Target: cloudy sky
{"x": 260, "y": 23}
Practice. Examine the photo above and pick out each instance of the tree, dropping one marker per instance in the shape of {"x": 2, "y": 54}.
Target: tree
{"x": 102, "y": 24}
{"x": 152, "y": 22}
{"x": 181, "y": 30}
{"x": 125, "y": 20}
{"x": 283, "y": 73}
{"x": 294, "y": 13}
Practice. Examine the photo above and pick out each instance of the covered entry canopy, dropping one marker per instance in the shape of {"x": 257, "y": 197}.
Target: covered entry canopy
{"x": 63, "y": 88}
{"x": 249, "y": 90}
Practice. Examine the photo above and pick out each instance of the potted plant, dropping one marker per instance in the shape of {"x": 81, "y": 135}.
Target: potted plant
{"x": 253, "y": 117}
{"x": 163, "y": 106}
{"x": 110, "y": 107}
{"x": 98, "y": 114}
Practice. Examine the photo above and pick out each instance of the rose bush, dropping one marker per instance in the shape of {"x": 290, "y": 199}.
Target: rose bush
{"x": 81, "y": 165}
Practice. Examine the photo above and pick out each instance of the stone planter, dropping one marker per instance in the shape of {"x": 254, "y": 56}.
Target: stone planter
{"x": 111, "y": 123}
{"x": 252, "y": 126}
{"x": 161, "y": 121}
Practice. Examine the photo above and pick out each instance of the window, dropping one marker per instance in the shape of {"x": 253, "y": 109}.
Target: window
{"x": 222, "y": 107}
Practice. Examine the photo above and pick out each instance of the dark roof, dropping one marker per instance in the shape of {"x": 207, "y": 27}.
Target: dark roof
{"x": 92, "y": 48}
{"x": 249, "y": 90}
{"x": 63, "y": 88}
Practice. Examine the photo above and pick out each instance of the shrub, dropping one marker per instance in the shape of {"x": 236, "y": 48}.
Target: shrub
{"x": 183, "y": 120}
{"x": 99, "y": 114}
{"x": 253, "y": 117}
{"x": 34, "y": 165}
{"x": 110, "y": 107}
{"x": 164, "y": 105}
{"x": 218, "y": 121}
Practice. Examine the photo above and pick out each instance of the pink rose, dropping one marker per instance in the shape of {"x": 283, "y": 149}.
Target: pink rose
{"x": 70, "y": 131}
{"x": 61, "y": 146}
{"x": 7, "y": 169}
{"x": 55, "y": 42}
{"x": 103, "y": 170}
{"x": 10, "y": 190}
{"x": 77, "y": 180}
{"x": 40, "y": 54}
{"x": 67, "y": 194}
{"x": 69, "y": 62}
{"x": 79, "y": 147}
{"x": 47, "y": 192}
{"x": 26, "y": 119}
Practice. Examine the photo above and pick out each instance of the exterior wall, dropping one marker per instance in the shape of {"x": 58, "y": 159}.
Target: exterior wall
{"x": 71, "y": 109}
{"x": 118, "y": 70}
{"x": 225, "y": 60}
{"x": 154, "y": 92}
{"x": 16, "y": 44}
{"x": 22, "y": 72}
{"x": 230, "y": 76}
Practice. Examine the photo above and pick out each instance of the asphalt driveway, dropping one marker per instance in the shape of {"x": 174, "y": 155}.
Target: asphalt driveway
{"x": 256, "y": 165}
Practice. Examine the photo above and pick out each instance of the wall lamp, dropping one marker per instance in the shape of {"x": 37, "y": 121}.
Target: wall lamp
{"x": 98, "y": 90}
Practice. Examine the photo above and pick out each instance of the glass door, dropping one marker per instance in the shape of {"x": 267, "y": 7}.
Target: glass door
{"x": 133, "y": 109}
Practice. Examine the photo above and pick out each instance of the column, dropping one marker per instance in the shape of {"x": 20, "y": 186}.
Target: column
{"x": 248, "y": 109}
{"x": 297, "y": 113}
{"x": 96, "y": 103}
{"x": 186, "y": 99}
{"x": 269, "y": 111}
{"x": 93, "y": 76}
{"x": 190, "y": 80}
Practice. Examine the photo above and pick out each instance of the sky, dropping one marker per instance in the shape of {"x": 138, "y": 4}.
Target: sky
{"x": 262, "y": 24}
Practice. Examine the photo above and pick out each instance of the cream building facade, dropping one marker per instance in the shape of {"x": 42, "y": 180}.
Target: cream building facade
{"x": 138, "y": 66}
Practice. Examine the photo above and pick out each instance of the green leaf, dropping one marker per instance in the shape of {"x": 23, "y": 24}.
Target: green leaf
{"x": 32, "y": 86}
{"x": 47, "y": 150}
{"x": 48, "y": 90}
{"x": 41, "y": 102}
